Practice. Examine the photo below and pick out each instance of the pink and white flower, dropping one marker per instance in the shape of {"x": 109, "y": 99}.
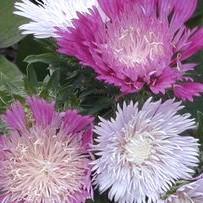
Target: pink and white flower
{"x": 141, "y": 153}
{"x": 144, "y": 43}
{"x": 45, "y": 157}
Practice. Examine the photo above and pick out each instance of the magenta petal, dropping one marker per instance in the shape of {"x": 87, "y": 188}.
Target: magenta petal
{"x": 188, "y": 67}
{"x": 74, "y": 123}
{"x": 186, "y": 91}
{"x": 165, "y": 80}
{"x": 70, "y": 40}
{"x": 43, "y": 112}
{"x": 15, "y": 117}
{"x": 114, "y": 7}
{"x": 195, "y": 44}
{"x": 181, "y": 10}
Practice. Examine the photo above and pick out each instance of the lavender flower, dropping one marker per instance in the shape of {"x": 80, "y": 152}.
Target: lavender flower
{"x": 141, "y": 153}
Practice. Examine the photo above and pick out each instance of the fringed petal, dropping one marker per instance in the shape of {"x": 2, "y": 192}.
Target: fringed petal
{"x": 164, "y": 81}
{"x": 195, "y": 44}
{"x": 180, "y": 11}
{"x": 75, "y": 124}
{"x": 43, "y": 112}
{"x": 187, "y": 91}
{"x": 15, "y": 117}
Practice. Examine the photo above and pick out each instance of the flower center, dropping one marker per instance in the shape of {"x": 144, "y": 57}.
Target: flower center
{"x": 131, "y": 46}
{"x": 138, "y": 149}
{"x": 46, "y": 167}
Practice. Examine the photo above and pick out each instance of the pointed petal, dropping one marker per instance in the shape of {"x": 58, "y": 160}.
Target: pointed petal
{"x": 195, "y": 44}
{"x": 165, "y": 80}
{"x": 43, "y": 112}
{"x": 74, "y": 123}
{"x": 181, "y": 10}
{"x": 15, "y": 117}
{"x": 112, "y": 8}
{"x": 186, "y": 91}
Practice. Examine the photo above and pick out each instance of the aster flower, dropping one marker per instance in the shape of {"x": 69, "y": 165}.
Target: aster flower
{"x": 144, "y": 43}
{"x": 189, "y": 193}
{"x": 45, "y": 157}
{"x": 141, "y": 153}
{"x": 48, "y": 15}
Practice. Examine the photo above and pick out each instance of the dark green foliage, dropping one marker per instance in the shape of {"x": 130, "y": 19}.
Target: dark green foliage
{"x": 9, "y": 33}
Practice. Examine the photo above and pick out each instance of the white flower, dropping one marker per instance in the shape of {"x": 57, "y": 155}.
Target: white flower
{"x": 49, "y": 15}
{"x": 141, "y": 153}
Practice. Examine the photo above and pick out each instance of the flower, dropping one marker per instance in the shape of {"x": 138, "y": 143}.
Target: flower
{"x": 144, "y": 43}
{"x": 48, "y": 15}
{"x": 45, "y": 157}
{"x": 141, "y": 153}
{"x": 189, "y": 193}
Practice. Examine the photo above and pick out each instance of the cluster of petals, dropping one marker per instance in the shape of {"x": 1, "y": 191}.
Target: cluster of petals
{"x": 45, "y": 157}
{"x": 142, "y": 44}
{"x": 142, "y": 153}
{"x": 189, "y": 193}
{"x": 48, "y": 15}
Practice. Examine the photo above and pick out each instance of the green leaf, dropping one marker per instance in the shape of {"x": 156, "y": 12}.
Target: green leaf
{"x": 5, "y": 100}
{"x": 11, "y": 79}
{"x": 47, "y": 58}
{"x": 31, "y": 82}
{"x": 200, "y": 125}
{"x": 51, "y": 85}
{"x": 31, "y": 74}
{"x": 9, "y": 23}
{"x": 9, "y": 73}
{"x": 11, "y": 83}
{"x": 30, "y": 46}
{"x": 96, "y": 104}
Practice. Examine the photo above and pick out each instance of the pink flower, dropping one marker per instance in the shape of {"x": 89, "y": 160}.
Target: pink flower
{"x": 143, "y": 43}
{"x": 45, "y": 157}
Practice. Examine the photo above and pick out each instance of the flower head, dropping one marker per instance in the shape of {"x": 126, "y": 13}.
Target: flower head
{"x": 144, "y": 43}
{"x": 189, "y": 193}
{"x": 141, "y": 153}
{"x": 48, "y": 15}
{"x": 45, "y": 157}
